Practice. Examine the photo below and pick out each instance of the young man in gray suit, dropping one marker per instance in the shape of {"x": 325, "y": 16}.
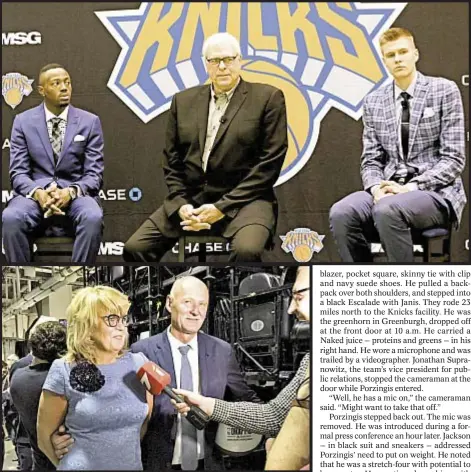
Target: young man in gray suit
{"x": 413, "y": 156}
{"x": 225, "y": 146}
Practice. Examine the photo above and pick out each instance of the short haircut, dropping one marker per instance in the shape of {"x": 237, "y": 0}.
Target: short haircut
{"x": 48, "y": 341}
{"x": 392, "y": 34}
{"x": 219, "y": 38}
{"x": 83, "y": 316}
{"x": 49, "y": 67}
{"x": 181, "y": 282}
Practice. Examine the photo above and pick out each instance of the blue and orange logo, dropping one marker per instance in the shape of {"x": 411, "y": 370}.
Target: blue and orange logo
{"x": 322, "y": 55}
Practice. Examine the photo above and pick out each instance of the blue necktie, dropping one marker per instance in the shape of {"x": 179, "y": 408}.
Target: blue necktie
{"x": 189, "y": 438}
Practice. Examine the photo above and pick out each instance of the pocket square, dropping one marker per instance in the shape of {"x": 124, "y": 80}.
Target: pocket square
{"x": 428, "y": 112}
{"x": 78, "y": 138}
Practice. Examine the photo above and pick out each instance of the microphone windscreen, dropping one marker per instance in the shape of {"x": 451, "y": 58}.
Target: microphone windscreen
{"x": 153, "y": 378}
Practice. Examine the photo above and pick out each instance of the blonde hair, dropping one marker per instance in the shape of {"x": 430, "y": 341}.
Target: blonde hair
{"x": 392, "y": 34}
{"x": 83, "y": 316}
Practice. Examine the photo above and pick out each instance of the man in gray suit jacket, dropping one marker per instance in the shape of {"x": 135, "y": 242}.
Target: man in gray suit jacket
{"x": 225, "y": 146}
{"x": 413, "y": 156}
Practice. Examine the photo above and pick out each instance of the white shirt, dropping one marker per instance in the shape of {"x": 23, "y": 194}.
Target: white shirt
{"x": 398, "y": 100}
{"x": 215, "y": 113}
{"x": 62, "y": 127}
{"x": 177, "y": 365}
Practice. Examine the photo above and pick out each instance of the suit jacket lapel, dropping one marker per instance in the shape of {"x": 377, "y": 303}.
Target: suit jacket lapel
{"x": 41, "y": 128}
{"x": 237, "y": 99}
{"x": 70, "y": 131}
{"x": 164, "y": 356}
{"x": 203, "y": 366}
{"x": 420, "y": 92}
{"x": 390, "y": 117}
{"x": 202, "y": 107}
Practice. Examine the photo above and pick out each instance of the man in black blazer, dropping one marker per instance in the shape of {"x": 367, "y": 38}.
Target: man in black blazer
{"x": 225, "y": 146}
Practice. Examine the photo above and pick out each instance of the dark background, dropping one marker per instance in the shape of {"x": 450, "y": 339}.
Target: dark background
{"x": 73, "y": 36}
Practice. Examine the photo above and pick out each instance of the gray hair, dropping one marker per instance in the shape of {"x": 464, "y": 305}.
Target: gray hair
{"x": 219, "y": 38}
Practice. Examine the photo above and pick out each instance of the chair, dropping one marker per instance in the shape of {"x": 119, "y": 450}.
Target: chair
{"x": 53, "y": 249}
{"x": 201, "y": 240}
{"x": 429, "y": 239}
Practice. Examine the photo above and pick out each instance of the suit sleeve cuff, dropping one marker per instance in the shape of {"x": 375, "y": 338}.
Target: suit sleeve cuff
{"x": 411, "y": 186}
{"x": 79, "y": 190}
{"x": 30, "y": 194}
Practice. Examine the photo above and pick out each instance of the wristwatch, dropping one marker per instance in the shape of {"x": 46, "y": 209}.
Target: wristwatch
{"x": 72, "y": 193}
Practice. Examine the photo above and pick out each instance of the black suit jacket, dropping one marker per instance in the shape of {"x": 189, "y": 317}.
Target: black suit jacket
{"x": 244, "y": 163}
{"x": 220, "y": 377}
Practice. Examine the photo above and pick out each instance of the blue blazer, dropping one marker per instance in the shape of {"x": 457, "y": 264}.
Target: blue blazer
{"x": 220, "y": 377}
{"x": 32, "y": 160}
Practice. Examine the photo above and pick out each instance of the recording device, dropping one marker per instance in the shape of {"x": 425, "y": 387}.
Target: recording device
{"x": 301, "y": 335}
{"x": 156, "y": 381}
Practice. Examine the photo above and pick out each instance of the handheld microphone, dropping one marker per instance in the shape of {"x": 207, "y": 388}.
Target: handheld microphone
{"x": 156, "y": 381}
{"x": 222, "y": 120}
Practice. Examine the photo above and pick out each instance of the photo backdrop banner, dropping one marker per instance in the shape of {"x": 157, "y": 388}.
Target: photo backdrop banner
{"x": 127, "y": 60}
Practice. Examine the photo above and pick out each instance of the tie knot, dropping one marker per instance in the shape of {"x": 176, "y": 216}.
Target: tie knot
{"x": 405, "y": 96}
{"x": 221, "y": 98}
{"x": 184, "y": 350}
{"x": 56, "y": 121}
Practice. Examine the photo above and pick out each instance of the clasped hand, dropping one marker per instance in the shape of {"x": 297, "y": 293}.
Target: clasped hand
{"x": 197, "y": 219}
{"x": 52, "y": 200}
{"x": 387, "y": 188}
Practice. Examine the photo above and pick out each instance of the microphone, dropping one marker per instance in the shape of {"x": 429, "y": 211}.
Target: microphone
{"x": 222, "y": 120}
{"x": 156, "y": 381}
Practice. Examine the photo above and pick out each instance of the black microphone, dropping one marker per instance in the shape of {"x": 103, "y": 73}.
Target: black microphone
{"x": 222, "y": 120}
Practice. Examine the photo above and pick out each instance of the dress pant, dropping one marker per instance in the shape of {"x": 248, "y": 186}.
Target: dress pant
{"x": 148, "y": 244}
{"x": 356, "y": 221}
{"x": 23, "y": 220}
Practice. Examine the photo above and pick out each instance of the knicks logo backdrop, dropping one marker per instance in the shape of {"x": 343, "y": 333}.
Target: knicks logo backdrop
{"x": 321, "y": 55}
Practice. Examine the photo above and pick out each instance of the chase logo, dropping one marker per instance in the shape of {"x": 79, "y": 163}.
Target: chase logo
{"x": 302, "y": 243}
{"x": 15, "y": 86}
{"x": 322, "y": 55}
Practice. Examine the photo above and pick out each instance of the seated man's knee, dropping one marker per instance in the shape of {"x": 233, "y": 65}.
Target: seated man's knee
{"x": 13, "y": 220}
{"x": 341, "y": 213}
{"x": 248, "y": 244}
{"x": 93, "y": 220}
{"x": 386, "y": 211}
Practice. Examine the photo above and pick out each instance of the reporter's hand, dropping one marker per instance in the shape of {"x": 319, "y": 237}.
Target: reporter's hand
{"x": 191, "y": 398}
{"x": 208, "y": 213}
{"x": 61, "y": 442}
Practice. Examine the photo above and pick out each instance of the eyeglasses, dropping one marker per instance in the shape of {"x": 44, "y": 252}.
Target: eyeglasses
{"x": 215, "y": 61}
{"x": 295, "y": 293}
{"x": 112, "y": 320}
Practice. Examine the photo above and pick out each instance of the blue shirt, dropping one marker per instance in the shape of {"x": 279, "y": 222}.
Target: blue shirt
{"x": 105, "y": 424}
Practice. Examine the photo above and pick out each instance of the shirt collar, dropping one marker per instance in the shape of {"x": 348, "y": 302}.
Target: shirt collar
{"x": 410, "y": 90}
{"x": 50, "y": 115}
{"x": 176, "y": 343}
{"x": 229, "y": 93}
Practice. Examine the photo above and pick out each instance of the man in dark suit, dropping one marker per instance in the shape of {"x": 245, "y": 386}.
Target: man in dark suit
{"x": 413, "y": 157}
{"x": 56, "y": 168}
{"x": 172, "y": 442}
{"x": 225, "y": 146}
